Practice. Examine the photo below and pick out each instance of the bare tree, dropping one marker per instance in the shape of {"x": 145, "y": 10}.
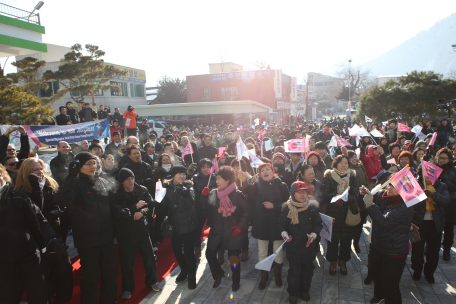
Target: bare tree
{"x": 222, "y": 59}
{"x": 260, "y": 65}
{"x": 360, "y": 82}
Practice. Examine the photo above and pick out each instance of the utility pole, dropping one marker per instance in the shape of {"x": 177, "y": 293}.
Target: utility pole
{"x": 307, "y": 99}
{"x": 349, "y": 87}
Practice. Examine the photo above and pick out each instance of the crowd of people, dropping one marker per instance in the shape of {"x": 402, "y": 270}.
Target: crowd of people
{"x": 101, "y": 192}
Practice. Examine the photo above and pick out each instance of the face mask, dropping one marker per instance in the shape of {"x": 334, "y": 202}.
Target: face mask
{"x": 42, "y": 183}
{"x": 166, "y": 167}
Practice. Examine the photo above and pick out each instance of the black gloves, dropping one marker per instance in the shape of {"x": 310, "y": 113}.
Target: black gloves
{"x": 34, "y": 181}
{"x": 74, "y": 168}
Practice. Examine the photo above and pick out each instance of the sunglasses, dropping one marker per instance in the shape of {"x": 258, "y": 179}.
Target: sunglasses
{"x": 12, "y": 164}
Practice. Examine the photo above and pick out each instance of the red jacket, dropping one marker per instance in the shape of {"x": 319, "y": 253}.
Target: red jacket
{"x": 113, "y": 129}
{"x": 371, "y": 163}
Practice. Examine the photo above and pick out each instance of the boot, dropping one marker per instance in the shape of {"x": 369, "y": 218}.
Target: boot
{"x": 292, "y": 299}
{"x": 333, "y": 268}
{"x": 264, "y": 279}
{"x": 305, "y": 296}
{"x": 197, "y": 253}
{"x": 446, "y": 253}
{"x": 192, "y": 281}
{"x": 343, "y": 267}
{"x": 278, "y": 273}
{"x": 220, "y": 257}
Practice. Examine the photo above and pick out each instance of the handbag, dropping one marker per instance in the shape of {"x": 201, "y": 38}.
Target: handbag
{"x": 167, "y": 228}
{"x": 352, "y": 219}
{"x": 414, "y": 234}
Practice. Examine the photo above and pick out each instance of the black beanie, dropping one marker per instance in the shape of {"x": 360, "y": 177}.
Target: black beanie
{"x": 83, "y": 157}
{"x": 177, "y": 169}
{"x": 124, "y": 173}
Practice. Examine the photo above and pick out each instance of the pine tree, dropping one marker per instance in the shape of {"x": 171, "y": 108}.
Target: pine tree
{"x": 27, "y": 69}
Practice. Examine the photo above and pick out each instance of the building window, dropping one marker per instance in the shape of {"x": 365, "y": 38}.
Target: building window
{"x": 95, "y": 92}
{"x": 206, "y": 93}
{"x": 123, "y": 89}
{"x": 318, "y": 84}
{"x": 229, "y": 92}
{"x": 136, "y": 90}
{"x": 53, "y": 87}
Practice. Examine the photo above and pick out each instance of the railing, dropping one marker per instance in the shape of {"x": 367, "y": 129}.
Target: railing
{"x": 20, "y": 14}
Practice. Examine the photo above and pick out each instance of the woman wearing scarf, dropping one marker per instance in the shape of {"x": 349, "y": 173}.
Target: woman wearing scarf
{"x": 266, "y": 197}
{"x": 314, "y": 159}
{"x": 300, "y": 224}
{"x": 417, "y": 155}
{"x": 228, "y": 213}
{"x": 429, "y": 217}
{"x": 179, "y": 205}
{"x": 448, "y": 176}
{"x": 391, "y": 222}
{"x": 164, "y": 167}
{"x": 336, "y": 181}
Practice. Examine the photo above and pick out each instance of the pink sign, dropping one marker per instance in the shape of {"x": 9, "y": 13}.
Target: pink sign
{"x": 300, "y": 126}
{"x": 434, "y": 137}
{"x": 221, "y": 150}
{"x": 403, "y": 128}
{"x": 341, "y": 142}
{"x": 215, "y": 166}
{"x": 408, "y": 187}
{"x": 432, "y": 171}
{"x": 296, "y": 145}
{"x": 188, "y": 150}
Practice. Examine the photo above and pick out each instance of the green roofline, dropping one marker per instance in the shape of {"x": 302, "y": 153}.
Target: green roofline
{"x": 22, "y": 24}
{"x": 22, "y": 43}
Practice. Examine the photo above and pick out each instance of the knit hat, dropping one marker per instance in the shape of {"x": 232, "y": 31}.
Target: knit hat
{"x": 313, "y": 153}
{"x": 177, "y": 169}
{"x": 83, "y": 157}
{"x": 124, "y": 173}
{"x": 95, "y": 145}
{"x": 279, "y": 155}
{"x": 296, "y": 186}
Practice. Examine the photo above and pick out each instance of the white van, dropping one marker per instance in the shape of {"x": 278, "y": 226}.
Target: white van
{"x": 158, "y": 126}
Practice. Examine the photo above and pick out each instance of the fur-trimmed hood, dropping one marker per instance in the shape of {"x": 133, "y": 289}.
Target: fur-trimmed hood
{"x": 167, "y": 183}
{"x": 328, "y": 172}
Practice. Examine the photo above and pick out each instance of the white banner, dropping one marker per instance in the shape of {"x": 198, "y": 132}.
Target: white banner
{"x": 294, "y": 88}
{"x": 278, "y": 84}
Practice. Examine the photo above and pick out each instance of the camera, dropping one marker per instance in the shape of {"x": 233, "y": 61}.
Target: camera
{"x": 447, "y": 105}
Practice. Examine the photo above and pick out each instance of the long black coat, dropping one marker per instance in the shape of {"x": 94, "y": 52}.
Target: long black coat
{"x": 448, "y": 176}
{"x": 199, "y": 182}
{"x": 129, "y": 230}
{"x": 264, "y": 221}
{"x": 179, "y": 205}
{"x": 340, "y": 230}
{"x": 309, "y": 221}
{"x": 89, "y": 207}
{"x": 221, "y": 231}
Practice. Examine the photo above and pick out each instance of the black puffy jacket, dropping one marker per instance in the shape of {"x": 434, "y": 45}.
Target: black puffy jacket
{"x": 207, "y": 152}
{"x": 264, "y": 221}
{"x": 144, "y": 175}
{"x": 309, "y": 221}
{"x": 179, "y": 205}
{"x": 442, "y": 199}
{"x": 340, "y": 230}
{"x": 129, "y": 230}
{"x": 448, "y": 176}
{"x": 89, "y": 207}
{"x": 199, "y": 182}
{"x": 221, "y": 227}
{"x": 391, "y": 222}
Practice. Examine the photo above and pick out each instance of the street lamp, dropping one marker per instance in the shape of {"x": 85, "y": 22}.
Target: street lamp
{"x": 37, "y": 8}
{"x": 349, "y": 87}
{"x": 454, "y": 47}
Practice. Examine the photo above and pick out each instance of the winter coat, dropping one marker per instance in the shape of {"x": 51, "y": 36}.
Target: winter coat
{"x": 129, "y": 230}
{"x": 74, "y": 117}
{"x": 143, "y": 134}
{"x": 59, "y": 166}
{"x": 444, "y": 132}
{"x": 20, "y": 233}
{"x": 264, "y": 221}
{"x": 23, "y": 152}
{"x": 102, "y": 115}
{"x": 391, "y": 135}
{"x": 391, "y": 224}
{"x": 371, "y": 163}
{"x": 327, "y": 159}
{"x": 113, "y": 129}
{"x": 62, "y": 119}
{"x": 144, "y": 175}
{"x": 130, "y": 119}
{"x": 221, "y": 227}
{"x": 161, "y": 174}
{"x": 119, "y": 118}
{"x": 442, "y": 199}
{"x": 309, "y": 221}
{"x": 324, "y": 137}
{"x": 88, "y": 200}
{"x": 448, "y": 176}
{"x": 340, "y": 229}
{"x": 319, "y": 170}
{"x": 87, "y": 114}
{"x": 285, "y": 174}
{"x": 207, "y": 152}
{"x": 111, "y": 148}
{"x": 361, "y": 175}
{"x": 294, "y": 172}
{"x": 179, "y": 205}
{"x": 199, "y": 182}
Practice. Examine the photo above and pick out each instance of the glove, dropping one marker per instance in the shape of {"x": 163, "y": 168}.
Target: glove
{"x": 310, "y": 238}
{"x": 34, "y": 181}
{"x": 191, "y": 169}
{"x": 429, "y": 193}
{"x": 368, "y": 200}
{"x": 205, "y": 191}
{"x": 74, "y": 168}
{"x": 236, "y": 230}
{"x": 339, "y": 203}
{"x": 285, "y": 236}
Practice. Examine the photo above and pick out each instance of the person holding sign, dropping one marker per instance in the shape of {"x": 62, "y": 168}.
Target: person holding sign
{"x": 335, "y": 182}
{"x": 429, "y": 217}
{"x": 300, "y": 224}
{"x": 391, "y": 222}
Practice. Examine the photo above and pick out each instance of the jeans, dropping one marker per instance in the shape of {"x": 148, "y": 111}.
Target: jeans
{"x": 216, "y": 269}
{"x": 386, "y": 272}
{"x": 429, "y": 235}
{"x": 263, "y": 250}
{"x": 299, "y": 277}
{"x": 186, "y": 261}
{"x": 335, "y": 253}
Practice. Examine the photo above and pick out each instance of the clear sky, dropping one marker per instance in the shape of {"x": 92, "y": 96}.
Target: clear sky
{"x": 180, "y": 38}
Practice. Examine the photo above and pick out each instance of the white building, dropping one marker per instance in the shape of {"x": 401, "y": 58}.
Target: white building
{"x": 133, "y": 91}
